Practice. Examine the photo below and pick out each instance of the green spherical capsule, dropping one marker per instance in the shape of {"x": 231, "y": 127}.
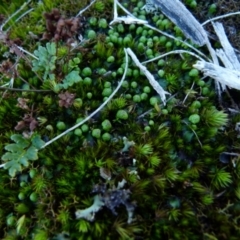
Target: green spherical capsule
{"x": 127, "y": 41}
{"x": 122, "y": 115}
{"x": 106, "y": 125}
{"x": 106, "y": 137}
{"x": 144, "y": 96}
{"x": 96, "y": 133}
{"x": 193, "y": 4}
{"x": 205, "y": 91}
{"x": 164, "y": 111}
{"x": 150, "y": 43}
{"x": 162, "y": 40}
{"x": 110, "y": 59}
{"x": 107, "y": 84}
{"x": 103, "y": 23}
{"x": 32, "y": 173}
{"x": 84, "y": 128}
{"x": 106, "y": 92}
{"x": 154, "y": 100}
{"x": 193, "y": 73}
{"x": 23, "y": 184}
{"x": 149, "y": 52}
{"x": 161, "y": 73}
{"x": 194, "y": 118}
{"x": 128, "y": 96}
{"x": 87, "y": 71}
{"x": 89, "y": 95}
{"x": 200, "y": 83}
{"x": 141, "y": 47}
{"x": 120, "y": 28}
{"x": 139, "y": 30}
{"x": 147, "y": 89}
{"x": 33, "y": 197}
{"x": 49, "y": 127}
{"x": 21, "y": 196}
{"x": 91, "y": 34}
{"x": 147, "y": 128}
{"x": 125, "y": 84}
{"x": 161, "y": 62}
{"x": 134, "y": 84}
{"x": 78, "y": 132}
{"x": 135, "y": 73}
{"x": 168, "y": 44}
{"x": 196, "y": 104}
{"x": 120, "y": 71}
{"x": 61, "y": 126}
{"x": 212, "y": 8}
{"x": 137, "y": 98}
{"x": 11, "y": 221}
{"x": 114, "y": 38}
{"x": 87, "y": 81}
{"x": 93, "y": 21}
{"x": 132, "y": 27}
{"x": 151, "y": 122}
{"x": 77, "y": 103}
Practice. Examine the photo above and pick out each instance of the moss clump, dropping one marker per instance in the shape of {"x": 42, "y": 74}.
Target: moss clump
{"x": 179, "y": 176}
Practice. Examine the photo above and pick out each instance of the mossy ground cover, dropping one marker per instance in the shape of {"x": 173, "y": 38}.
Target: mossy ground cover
{"x": 180, "y": 181}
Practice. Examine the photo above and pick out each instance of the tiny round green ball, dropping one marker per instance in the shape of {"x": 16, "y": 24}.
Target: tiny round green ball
{"x": 122, "y": 115}
{"x": 96, "y": 133}
{"x": 194, "y": 118}
{"x": 106, "y": 137}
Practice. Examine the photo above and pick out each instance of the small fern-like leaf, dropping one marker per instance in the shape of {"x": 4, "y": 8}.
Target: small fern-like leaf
{"x": 20, "y": 152}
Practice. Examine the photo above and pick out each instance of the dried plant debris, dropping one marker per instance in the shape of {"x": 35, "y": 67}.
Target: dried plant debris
{"x": 66, "y": 99}
{"x": 8, "y": 68}
{"x": 110, "y": 198}
{"x": 179, "y": 14}
{"x": 28, "y": 122}
{"x": 61, "y": 29}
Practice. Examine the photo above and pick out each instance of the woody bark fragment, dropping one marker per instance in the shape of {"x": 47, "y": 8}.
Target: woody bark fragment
{"x": 180, "y": 15}
{"x": 226, "y": 76}
{"x": 227, "y": 54}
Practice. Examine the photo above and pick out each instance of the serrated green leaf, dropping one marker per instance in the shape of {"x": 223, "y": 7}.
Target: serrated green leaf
{"x": 51, "y": 48}
{"x": 24, "y": 161}
{"x": 13, "y": 147}
{"x": 37, "y": 141}
{"x": 32, "y": 153}
{"x": 13, "y": 167}
{"x": 10, "y": 156}
{"x": 18, "y": 138}
{"x": 71, "y": 78}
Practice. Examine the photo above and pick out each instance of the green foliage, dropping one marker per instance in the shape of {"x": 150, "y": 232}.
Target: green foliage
{"x": 169, "y": 155}
{"x": 71, "y": 78}
{"x": 46, "y": 61}
{"x": 214, "y": 118}
{"x": 21, "y": 152}
{"x": 220, "y": 178}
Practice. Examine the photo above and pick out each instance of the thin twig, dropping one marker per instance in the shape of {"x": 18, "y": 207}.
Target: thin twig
{"x": 96, "y": 111}
{"x": 23, "y": 15}
{"x": 220, "y": 17}
{"x": 193, "y": 132}
{"x": 20, "y": 9}
{"x": 24, "y": 90}
{"x": 86, "y": 8}
{"x": 172, "y": 52}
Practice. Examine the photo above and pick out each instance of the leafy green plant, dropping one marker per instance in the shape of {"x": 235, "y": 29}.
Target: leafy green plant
{"x": 45, "y": 62}
{"x": 21, "y": 152}
{"x": 70, "y": 79}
